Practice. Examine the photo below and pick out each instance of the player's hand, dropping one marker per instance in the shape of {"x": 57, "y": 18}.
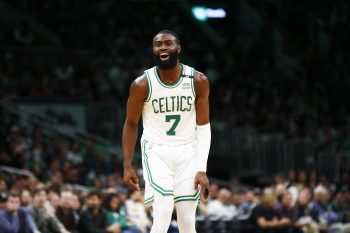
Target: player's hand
{"x": 201, "y": 180}
{"x": 130, "y": 178}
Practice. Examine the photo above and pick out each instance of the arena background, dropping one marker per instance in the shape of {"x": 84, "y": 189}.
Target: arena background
{"x": 279, "y": 74}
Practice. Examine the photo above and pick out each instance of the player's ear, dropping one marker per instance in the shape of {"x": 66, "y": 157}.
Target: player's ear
{"x": 178, "y": 48}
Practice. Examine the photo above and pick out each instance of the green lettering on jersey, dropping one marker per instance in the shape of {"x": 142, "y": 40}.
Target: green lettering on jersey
{"x": 189, "y": 98}
{"x": 161, "y": 105}
{"x": 155, "y": 101}
{"x": 172, "y": 102}
{"x": 182, "y": 102}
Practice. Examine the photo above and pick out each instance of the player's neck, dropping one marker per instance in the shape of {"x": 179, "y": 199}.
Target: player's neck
{"x": 170, "y": 75}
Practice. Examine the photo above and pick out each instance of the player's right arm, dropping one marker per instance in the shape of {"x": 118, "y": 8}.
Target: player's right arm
{"x": 137, "y": 96}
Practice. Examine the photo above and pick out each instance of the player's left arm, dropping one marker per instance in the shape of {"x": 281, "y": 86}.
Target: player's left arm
{"x": 202, "y": 88}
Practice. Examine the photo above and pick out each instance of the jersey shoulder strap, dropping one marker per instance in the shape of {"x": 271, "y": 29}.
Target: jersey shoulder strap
{"x": 188, "y": 71}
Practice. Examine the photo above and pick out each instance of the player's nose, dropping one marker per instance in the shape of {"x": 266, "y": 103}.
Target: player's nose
{"x": 163, "y": 47}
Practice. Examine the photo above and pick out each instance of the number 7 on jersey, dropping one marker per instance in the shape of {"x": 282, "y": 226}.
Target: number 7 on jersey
{"x": 176, "y": 118}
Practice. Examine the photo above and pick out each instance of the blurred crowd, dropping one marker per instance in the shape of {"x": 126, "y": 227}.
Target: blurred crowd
{"x": 61, "y": 195}
{"x": 284, "y": 69}
{"x": 292, "y": 203}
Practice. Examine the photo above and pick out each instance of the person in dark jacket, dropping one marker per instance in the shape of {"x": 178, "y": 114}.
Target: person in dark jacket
{"x": 14, "y": 219}
{"x": 65, "y": 212}
{"x": 94, "y": 218}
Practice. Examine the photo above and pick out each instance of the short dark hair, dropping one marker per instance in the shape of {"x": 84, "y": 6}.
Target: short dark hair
{"x": 108, "y": 199}
{"x": 177, "y": 37}
{"x": 96, "y": 193}
{"x": 14, "y": 195}
{"x": 36, "y": 191}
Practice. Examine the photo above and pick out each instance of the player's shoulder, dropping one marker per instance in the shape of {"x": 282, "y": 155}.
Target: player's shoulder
{"x": 201, "y": 83}
{"x": 140, "y": 82}
{"x": 200, "y": 78}
{"x": 139, "y": 86}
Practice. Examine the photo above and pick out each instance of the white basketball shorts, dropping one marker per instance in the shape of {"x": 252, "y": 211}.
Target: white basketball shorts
{"x": 169, "y": 170}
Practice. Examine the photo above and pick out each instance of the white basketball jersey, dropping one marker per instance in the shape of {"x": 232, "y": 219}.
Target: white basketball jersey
{"x": 169, "y": 114}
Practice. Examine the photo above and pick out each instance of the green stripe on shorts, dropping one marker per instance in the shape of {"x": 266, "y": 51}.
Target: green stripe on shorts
{"x": 193, "y": 197}
{"x": 162, "y": 191}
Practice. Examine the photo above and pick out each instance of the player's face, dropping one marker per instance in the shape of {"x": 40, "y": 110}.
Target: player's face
{"x": 165, "y": 51}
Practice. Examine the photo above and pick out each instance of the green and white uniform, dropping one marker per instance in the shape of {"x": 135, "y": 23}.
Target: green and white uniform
{"x": 168, "y": 141}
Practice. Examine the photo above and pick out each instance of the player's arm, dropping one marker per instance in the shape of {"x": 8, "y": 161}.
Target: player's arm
{"x": 202, "y": 88}
{"x": 138, "y": 93}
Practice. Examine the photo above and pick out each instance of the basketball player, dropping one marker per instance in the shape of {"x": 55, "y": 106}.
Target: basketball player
{"x": 173, "y": 100}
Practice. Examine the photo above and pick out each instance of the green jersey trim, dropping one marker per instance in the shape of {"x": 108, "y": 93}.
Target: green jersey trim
{"x": 149, "y": 87}
{"x": 156, "y": 187}
{"x": 167, "y": 85}
{"x": 193, "y": 83}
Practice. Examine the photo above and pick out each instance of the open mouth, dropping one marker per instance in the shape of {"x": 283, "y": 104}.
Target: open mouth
{"x": 164, "y": 56}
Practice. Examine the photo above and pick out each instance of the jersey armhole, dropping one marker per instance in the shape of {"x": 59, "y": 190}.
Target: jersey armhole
{"x": 149, "y": 87}
{"x": 193, "y": 82}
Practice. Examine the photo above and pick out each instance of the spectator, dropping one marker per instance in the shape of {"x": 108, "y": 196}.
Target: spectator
{"x": 76, "y": 206}
{"x": 264, "y": 217}
{"x": 283, "y": 184}
{"x": 65, "y": 212}
{"x": 341, "y": 206}
{"x": 54, "y": 200}
{"x": 94, "y": 218}
{"x": 137, "y": 212}
{"x": 287, "y": 213}
{"x": 222, "y": 207}
{"x": 214, "y": 191}
{"x": 117, "y": 214}
{"x": 304, "y": 220}
{"x": 26, "y": 198}
{"x": 320, "y": 211}
{"x": 248, "y": 205}
{"x": 240, "y": 202}
{"x": 302, "y": 180}
{"x": 43, "y": 214}
{"x": 14, "y": 219}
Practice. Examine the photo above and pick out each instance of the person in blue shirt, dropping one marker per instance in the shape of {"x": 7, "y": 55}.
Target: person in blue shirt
{"x": 14, "y": 219}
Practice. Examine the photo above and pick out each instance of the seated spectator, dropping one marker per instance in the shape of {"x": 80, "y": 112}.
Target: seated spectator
{"x": 43, "y": 214}
{"x": 94, "y": 218}
{"x": 137, "y": 212}
{"x": 264, "y": 217}
{"x": 117, "y": 214}
{"x": 304, "y": 221}
{"x": 54, "y": 200}
{"x": 221, "y": 208}
{"x": 26, "y": 198}
{"x": 65, "y": 212}
{"x": 341, "y": 206}
{"x": 286, "y": 212}
{"x": 14, "y": 219}
{"x": 76, "y": 206}
{"x": 320, "y": 211}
